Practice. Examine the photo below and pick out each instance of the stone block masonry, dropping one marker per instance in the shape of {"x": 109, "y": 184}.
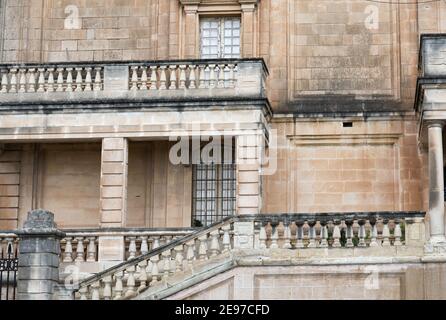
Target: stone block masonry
{"x": 39, "y": 249}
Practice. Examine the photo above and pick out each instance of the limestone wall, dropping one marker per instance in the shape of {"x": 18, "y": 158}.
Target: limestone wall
{"x": 64, "y": 178}
{"x": 312, "y": 47}
{"x": 377, "y": 282}
{"x": 375, "y": 165}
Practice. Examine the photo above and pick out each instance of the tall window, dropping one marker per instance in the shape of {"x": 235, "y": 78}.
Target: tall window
{"x": 213, "y": 191}
{"x": 220, "y": 37}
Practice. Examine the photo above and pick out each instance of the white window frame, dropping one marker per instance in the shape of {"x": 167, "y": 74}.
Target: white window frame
{"x": 222, "y": 31}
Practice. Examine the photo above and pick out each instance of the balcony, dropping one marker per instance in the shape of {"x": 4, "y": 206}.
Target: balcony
{"x": 132, "y": 82}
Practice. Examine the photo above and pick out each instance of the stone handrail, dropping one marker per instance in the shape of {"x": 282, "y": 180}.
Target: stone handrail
{"x": 120, "y": 81}
{"x": 331, "y": 230}
{"x": 83, "y": 245}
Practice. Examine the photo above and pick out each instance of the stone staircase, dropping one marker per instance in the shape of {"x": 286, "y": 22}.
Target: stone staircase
{"x": 256, "y": 240}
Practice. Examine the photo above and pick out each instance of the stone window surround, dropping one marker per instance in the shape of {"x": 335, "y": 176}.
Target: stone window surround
{"x": 194, "y": 9}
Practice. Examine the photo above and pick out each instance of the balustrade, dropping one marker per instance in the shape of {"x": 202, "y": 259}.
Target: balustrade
{"x": 331, "y": 230}
{"x": 50, "y": 78}
{"x": 183, "y": 76}
{"x": 83, "y": 246}
{"x": 129, "y": 278}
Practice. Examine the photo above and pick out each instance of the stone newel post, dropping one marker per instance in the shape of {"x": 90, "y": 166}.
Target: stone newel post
{"x": 39, "y": 250}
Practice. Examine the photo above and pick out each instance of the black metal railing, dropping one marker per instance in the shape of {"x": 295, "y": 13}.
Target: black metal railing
{"x": 8, "y": 272}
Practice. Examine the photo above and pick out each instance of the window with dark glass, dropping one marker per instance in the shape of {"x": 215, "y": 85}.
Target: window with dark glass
{"x": 213, "y": 191}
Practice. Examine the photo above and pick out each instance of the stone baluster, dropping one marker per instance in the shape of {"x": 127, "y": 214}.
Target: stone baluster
{"x": 118, "y": 290}
{"x": 144, "y": 78}
{"x": 386, "y": 233}
{"x": 336, "y": 234}
{"x": 95, "y": 291}
{"x": 373, "y": 233}
{"x": 68, "y": 253}
{"x": 203, "y": 248}
{"x": 153, "y": 79}
{"x": 41, "y": 80}
{"x": 107, "y": 293}
{"x": 212, "y": 79}
{"x": 132, "y": 248}
{"x": 190, "y": 254}
{"x": 80, "y": 249}
{"x": 275, "y": 237}
{"x": 192, "y": 77}
{"x": 156, "y": 242}
{"x": 13, "y": 81}
{"x": 215, "y": 244}
{"x": 231, "y": 75}
{"x": 324, "y": 235}
{"x": 299, "y": 234}
{"x": 287, "y": 237}
{"x": 83, "y": 293}
{"x": 142, "y": 275}
{"x": 397, "y": 233}
{"x": 134, "y": 78}
{"x": 4, "y": 81}
{"x": 91, "y": 256}
{"x": 226, "y": 242}
{"x": 361, "y": 233}
{"x": 349, "y": 234}
{"x": 182, "y": 84}
{"x": 179, "y": 258}
{"x": 22, "y": 80}
{"x": 88, "y": 79}
{"x": 50, "y": 86}
{"x": 202, "y": 75}
{"x": 78, "y": 84}
{"x": 262, "y": 237}
{"x": 32, "y": 80}
{"x": 221, "y": 76}
{"x": 166, "y": 263}
{"x": 69, "y": 87}
{"x": 154, "y": 272}
{"x": 312, "y": 235}
{"x": 59, "y": 87}
{"x": 163, "y": 78}
{"x": 144, "y": 245}
{"x": 97, "y": 79}
{"x": 173, "y": 77}
{"x": 130, "y": 285}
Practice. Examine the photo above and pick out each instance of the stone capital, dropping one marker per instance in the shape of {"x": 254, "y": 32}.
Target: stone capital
{"x": 191, "y": 8}
{"x": 435, "y": 124}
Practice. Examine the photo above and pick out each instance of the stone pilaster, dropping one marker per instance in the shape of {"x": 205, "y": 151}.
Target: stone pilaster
{"x": 39, "y": 249}
{"x": 190, "y": 30}
{"x": 114, "y": 165}
{"x": 114, "y": 182}
{"x": 249, "y": 34}
{"x": 437, "y": 242}
{"x": 248, "y": 162}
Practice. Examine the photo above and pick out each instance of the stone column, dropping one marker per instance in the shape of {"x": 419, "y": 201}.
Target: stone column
{"x": 39, "y": 249}
{"x": 436, "y": 185}
{"x": 113, "y": 202}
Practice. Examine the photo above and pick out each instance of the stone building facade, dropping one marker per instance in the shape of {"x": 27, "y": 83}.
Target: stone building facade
{"x": 344, "y": 97}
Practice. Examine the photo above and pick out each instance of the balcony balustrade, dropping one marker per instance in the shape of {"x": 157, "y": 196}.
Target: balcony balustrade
{"x": 74, "y": 83}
